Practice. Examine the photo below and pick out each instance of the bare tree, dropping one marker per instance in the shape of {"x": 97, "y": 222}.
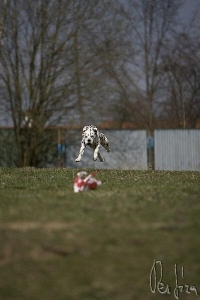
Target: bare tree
{"x": 3, "y": 7}
{"x": 152, "y": 23}
{"x": 99, "y": 47}
{"x": 182, "y": 90}
{"x": 35, "y": 68}
{"x": 55, "y": 66}
{"x": 109, "y": 48}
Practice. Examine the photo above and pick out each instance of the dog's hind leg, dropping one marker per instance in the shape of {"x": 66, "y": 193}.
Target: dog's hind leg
{"x": 105, "y": 142}
{"x": 106, "y": 146}
{"x": 100, "y": 157}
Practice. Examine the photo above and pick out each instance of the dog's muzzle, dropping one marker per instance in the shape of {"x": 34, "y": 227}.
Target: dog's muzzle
{"x": 89, "y": 142}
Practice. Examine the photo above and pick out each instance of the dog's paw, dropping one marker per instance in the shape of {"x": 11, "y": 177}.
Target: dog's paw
{"x": 77, "y": 160}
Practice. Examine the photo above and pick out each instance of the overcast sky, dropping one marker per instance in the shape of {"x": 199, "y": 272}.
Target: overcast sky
{"x": 190, "y": 7}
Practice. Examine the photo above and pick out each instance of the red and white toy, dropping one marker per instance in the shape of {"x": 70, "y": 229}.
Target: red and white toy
{"x": 84, "y": 182}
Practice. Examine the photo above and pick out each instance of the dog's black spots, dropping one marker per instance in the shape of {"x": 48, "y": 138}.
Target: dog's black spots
{"x": 94, "y": 139}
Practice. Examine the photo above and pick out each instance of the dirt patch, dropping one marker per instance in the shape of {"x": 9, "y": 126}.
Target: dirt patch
{"x": 51, "y": 226}
{"x": 24, "y": 226}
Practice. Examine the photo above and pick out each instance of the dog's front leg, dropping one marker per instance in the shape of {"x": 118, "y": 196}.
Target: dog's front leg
{"x": 80, "y": 152}
{"x": 96, "y": 152}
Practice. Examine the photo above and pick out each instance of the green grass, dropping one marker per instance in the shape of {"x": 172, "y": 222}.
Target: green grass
{"x": 58, "y": 245}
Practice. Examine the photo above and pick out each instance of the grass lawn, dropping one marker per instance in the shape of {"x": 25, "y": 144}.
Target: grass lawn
{"x": 58, "y": 245}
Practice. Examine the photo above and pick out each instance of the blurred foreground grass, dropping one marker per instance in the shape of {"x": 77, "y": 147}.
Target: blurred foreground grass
{"x": 101, "y": 244}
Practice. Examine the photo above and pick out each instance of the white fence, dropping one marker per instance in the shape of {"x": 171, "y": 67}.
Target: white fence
{"x": 174, "y": 150}
{"x": 177, "y": 149}
{"x": 128, "y": 151}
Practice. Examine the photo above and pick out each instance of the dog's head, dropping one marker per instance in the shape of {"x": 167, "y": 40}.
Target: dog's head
{"x": 89, "y": 134}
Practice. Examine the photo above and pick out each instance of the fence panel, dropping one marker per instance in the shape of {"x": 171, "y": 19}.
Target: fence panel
{"x": 177, "y": 149}
{"x": 128, "y": 151}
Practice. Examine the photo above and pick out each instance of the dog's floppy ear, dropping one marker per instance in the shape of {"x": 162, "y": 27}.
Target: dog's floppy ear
{"x": 84, "y": 129}
{"x": 95, "y": 129}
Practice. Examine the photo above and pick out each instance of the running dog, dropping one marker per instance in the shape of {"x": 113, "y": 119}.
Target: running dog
{"x": 93, "y": 138}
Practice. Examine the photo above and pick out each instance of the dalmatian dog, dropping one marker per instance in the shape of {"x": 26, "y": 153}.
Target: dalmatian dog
{"x": 93, "y": 138}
